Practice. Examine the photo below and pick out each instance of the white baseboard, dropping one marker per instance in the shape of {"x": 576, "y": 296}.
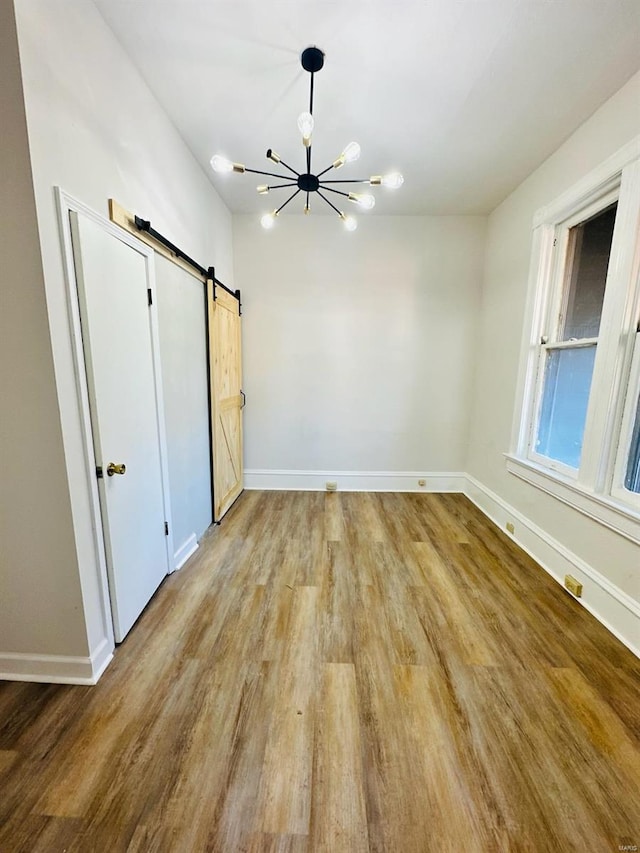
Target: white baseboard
{"x": 188, "y": 547}
{"x": 611, "y": 606}
{"x": 56, "y": 669}
{"x": 355, "y": 481}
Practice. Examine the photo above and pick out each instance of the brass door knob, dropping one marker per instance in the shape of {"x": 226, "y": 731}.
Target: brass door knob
{"x": 115, "y": 468}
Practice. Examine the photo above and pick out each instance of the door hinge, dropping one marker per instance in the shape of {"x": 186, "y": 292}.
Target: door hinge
{"x": 149, "y": 296}
{"x": 555, "y": 241}
{"x": 166, "y": 528}
{"x": 99, "y": 473}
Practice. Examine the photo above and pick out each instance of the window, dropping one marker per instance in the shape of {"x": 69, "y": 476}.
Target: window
{"x": 568, "y": 354}
{"x": 626, "y": 479}
{"x": 632, "y": 468}
{"x": 577, "y": 430}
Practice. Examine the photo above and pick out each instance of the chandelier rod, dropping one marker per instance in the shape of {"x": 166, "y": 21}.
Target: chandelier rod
{"x": 291, "y": 197}
{"x": 339, "y": 212}
{"x": 331, "y": 190}
{"x": 328, "y": 169}
{"x": 346, "y": 181}
{"x": 286, "y": 165}
{"x": 271, "y": 174}
{"x": 311, "y": 113}
{"x": 280, "y": 186}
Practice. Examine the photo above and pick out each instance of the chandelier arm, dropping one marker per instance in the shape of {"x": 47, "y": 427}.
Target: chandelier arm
{"x": 280, "y": 186}
{"x": 339, "y": 212}
{"x": 337, "y": 192}
{"x": 309, "y": 160}
{"x": 291, "y": 197}
{"x": 271, "y": 174}
{"x": 347, "y": 181}
{"x": 324, "y": 171}
{"x": 286, "y": 165}
{"x": 307, "y": 202}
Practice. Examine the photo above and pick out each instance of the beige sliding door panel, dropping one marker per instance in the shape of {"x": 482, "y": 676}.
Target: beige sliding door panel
{"x": 182, "y": 323}
{"x": 226, "y": 398}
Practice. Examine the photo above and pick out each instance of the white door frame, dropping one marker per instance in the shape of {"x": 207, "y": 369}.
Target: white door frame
{"x": 65, "y": 205}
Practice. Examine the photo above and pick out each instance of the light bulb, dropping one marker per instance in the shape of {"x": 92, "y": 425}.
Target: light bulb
{"x": 365, "y": 201}
{"x": 394, "y": 180}
{"x": 221, "y": 164}
{"x": 305, "y": 126}
{"x": 268, "y": 220}
{"x": 350, "y": 223}
{"x": 263, "y": 189}
{"x": 351, "y": 152}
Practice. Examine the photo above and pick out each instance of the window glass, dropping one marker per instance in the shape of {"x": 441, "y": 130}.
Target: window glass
{"x": 563, "y": 412}
{"x": 632, "y": 477}
{"x": 588, "y": 259}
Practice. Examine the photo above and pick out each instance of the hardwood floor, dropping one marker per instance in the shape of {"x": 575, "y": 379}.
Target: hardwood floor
{"x": 338, "y": 672}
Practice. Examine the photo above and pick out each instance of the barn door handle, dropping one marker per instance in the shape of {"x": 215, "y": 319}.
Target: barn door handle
{"x": 244, "y": 399}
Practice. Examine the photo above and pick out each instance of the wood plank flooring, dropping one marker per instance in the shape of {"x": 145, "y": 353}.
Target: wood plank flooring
{"x": 338, "y": 672}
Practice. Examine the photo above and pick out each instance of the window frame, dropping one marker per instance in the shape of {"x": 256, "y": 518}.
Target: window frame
{"x": 596, "y": 487}
{"x": 618, "y": 490}
{"x": 556, "y": 298}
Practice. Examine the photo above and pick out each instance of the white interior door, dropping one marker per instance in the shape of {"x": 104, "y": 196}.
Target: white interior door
{"x": 114, "y": 283}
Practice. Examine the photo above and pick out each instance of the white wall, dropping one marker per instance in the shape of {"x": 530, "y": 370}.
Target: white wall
{"x": 40, "y": 596}
{"x": 96, "y": 130}
{"x": 358, "y": 347}
{"x": 501, "y": 325}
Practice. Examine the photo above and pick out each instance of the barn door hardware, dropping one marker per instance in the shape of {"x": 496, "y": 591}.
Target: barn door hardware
{"x": 145, "y": 225}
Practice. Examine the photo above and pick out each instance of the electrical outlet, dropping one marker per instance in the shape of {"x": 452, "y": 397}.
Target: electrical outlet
{"x": 574, "y": 586}
{"x": 331, "y": 486}
{"x": 422, "y": 482}
{"x": 510, "y": 527}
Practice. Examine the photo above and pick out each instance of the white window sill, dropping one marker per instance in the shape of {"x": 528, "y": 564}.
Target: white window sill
{"x": 605, "y": 510}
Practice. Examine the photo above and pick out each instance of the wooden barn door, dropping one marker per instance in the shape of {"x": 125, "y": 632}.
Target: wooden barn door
{"x": 227, "y": 399}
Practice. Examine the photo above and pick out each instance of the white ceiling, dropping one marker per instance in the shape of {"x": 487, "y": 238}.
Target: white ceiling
{"x": 465, "y": 97}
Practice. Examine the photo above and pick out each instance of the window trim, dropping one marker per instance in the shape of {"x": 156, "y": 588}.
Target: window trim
{"x": 602, "y": 508}
{"x": 594, "y": 489}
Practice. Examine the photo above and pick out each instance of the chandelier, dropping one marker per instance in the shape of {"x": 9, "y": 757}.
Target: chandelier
{"x": 307, "y": 182}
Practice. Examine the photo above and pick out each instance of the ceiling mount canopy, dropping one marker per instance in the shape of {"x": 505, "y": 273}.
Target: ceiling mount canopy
{"x": 312, "y": 61}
